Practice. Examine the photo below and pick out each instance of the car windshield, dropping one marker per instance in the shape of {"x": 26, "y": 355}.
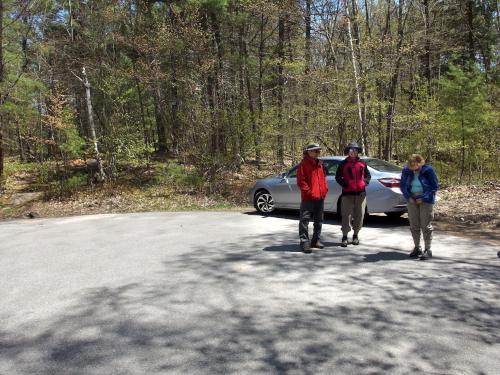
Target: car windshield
{"x": 383, "y": 166}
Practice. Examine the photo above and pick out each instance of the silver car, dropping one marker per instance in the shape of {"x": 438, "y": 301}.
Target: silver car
{"x": 382, "y": 194}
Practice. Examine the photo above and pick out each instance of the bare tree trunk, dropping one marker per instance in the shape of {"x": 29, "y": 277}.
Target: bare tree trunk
{"x": 462, "y": 167}
{"x": 40, "y": 154}
{"x": 427, "y": 48}
{"x": 356, "y": 79}
{"x": 101, "y": 174}
{"x": 241, "y": 100}
{"x": 293, "y": 124}
{"x": 342, "y": 140}
{"x": 174, "y": 108}
{"x": 255, "y": 128}
{"x": 367, "y": 19}
{"x": 2, "y": 75}
{"x": 160, "y": 119}
{"x": 260, "y": 87}
{"x": 251, "y": 109}
{"x": 308, "y": 60}
{"x": 71, "y": 21}
{"x": 381, "y": 89}
{"x": 308, "y": 37}
{"x": 498, "y": 16}
{"x": 362, "y": 86}
{"x": 281, "y": 82}
{"x": 380, "y": 134}
{"x": 143, "y": 117}
{"x": 213, "y": 116}
{"x": 220, "y": 131}
{"x": 29, "y": 153}
{"x": 394, "y": 83}
{"x": 22, "y": 155}
{"x": 174, "y": 104}
{"x": 470, "y": 31}
{"x": 390, "y": 116}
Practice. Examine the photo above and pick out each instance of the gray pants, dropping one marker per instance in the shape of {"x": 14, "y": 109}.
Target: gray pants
{"x": 353, "y": 210}
{"x": 311, "y": 210}
{"x": 420, "y": 217}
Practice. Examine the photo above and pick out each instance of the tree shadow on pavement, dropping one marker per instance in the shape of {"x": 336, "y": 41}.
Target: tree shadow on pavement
{"x": 244, "y": 310}
{"x": 291, "y": 248}
{"x": 295, "y": 247}
{"x": 385, "y": 255}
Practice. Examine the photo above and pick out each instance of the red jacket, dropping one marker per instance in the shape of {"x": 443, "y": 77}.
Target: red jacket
{"x": 353, "y": 176}
{"x": 311, "y": 179}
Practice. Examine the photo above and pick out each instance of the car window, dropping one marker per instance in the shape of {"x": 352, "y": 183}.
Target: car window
{"x": 331, "y": 167}
{"x": 293, "y": 172}
{"x": 383, "y": 166}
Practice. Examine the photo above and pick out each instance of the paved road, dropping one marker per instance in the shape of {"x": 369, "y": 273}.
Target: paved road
{"x": 221, "y": 293}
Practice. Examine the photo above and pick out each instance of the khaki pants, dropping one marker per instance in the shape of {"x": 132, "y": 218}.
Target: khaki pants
{"x": 353, "y": 210}
{"x": 420, "y": 217}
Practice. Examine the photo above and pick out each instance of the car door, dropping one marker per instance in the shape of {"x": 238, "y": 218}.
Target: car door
{"x": 334, "y": 189}
{"x": 286, "y": 193}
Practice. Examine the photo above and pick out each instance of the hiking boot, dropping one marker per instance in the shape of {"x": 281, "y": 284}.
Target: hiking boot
{"x": 417, "y": 252}
{"x": 426, "y": 254}
{"x": 317, "y": 244}
{"x": 355, "y": 239}
{"x": 306, "y": 248}
{"x": 344, "y": 241}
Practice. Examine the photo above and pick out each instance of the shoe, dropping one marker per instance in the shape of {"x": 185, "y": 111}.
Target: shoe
{"x": 306, "y": 248}
{"x": 355, "y": 239}
{"x": 426, "y": 254}
{"x": 417, "y": 252}
{"x": 344, "y": 241}
{"x": 317, "y": 244}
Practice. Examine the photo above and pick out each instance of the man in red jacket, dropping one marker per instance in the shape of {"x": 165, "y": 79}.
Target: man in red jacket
{"x": 353, "y": 175}
{"x": 311, "y": 179}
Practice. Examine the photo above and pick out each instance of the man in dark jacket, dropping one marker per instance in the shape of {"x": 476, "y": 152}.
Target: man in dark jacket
{"x": 311, "y": 179}
{"x": 353, "y": 175}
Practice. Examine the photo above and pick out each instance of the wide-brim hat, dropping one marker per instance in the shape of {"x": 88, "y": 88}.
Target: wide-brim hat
{"x": 312, "y": 147}
{"x": 353, "y": 145}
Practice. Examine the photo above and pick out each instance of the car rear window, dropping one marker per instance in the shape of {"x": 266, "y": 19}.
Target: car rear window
{"x": 383, "y": 166}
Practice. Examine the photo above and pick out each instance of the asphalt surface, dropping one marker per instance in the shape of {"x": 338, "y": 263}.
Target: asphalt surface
{"x": 226, "y": 293}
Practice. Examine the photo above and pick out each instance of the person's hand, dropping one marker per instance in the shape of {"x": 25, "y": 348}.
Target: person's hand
{"x": 418, "y": 201}
{"x": 412, "y": 200}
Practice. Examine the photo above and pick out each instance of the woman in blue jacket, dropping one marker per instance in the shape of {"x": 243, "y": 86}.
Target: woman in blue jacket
{"x": 419, "y": 184}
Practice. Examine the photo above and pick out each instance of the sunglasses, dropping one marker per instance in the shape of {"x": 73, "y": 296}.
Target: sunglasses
{"x": 316, "y": 151}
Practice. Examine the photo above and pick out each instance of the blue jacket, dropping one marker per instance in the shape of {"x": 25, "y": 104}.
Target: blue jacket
{"x": 427, "y": 178}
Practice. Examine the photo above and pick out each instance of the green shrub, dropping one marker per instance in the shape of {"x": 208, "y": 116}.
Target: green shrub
{"x": 67, "y": 187}
{"x": 75, "y": 181}
{"x": 179, "y": 176}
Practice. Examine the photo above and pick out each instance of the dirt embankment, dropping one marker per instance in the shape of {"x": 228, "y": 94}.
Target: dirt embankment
{"x": 471, "y": 211}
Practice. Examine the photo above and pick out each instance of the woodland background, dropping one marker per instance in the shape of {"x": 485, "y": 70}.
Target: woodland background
{"x": 191, "y": 93}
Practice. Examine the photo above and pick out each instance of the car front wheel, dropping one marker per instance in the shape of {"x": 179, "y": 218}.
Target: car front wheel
{"x": 264, "y": 202}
